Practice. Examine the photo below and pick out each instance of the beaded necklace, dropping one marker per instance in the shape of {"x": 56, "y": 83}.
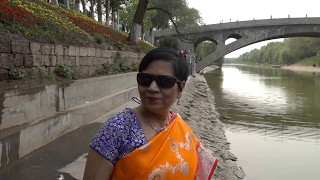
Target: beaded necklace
{"x": 148, "y": 122}
{"x": 155, "y": 128}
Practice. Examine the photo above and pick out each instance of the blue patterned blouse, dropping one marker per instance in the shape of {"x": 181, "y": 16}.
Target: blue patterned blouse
{"x": 119, "y": 136}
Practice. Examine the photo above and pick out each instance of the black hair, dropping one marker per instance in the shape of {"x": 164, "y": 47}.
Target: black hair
{"x": 179, "y": 64}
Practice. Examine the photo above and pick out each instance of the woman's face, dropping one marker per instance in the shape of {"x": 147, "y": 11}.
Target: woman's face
{"x": 154, "y": 99}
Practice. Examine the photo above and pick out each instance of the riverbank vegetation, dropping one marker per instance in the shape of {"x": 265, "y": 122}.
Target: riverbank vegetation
{"x": 63, "y": 22}
{"x": 41, "y": 21}
{"x": 303, "y": 51}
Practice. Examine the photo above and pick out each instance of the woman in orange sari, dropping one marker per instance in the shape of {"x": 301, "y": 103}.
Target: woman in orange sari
{"x": 150, "y": 141}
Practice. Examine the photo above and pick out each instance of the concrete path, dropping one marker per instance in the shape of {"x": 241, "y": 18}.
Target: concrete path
{"x": 62, "y": 159}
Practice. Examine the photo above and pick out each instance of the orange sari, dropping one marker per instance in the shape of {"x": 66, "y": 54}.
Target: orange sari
{"x": 174, "y": 153}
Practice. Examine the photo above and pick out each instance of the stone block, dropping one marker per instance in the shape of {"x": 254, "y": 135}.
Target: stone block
{"x": 5, "y": 44}
{"x": 91, "y": 51}
{"x": 6, "y": 61}
{"x": 85, "y": 61}
{"x": 123, "y": 54}
{"x": 51, "y": 69}
{"x": 18, "y": 60}
{"x": 45, "y": 60}
{"x": 113, "y": 54}
{"x": 37, "y": 60}
{"x": 4, "y": 75}
{"x": 58, "y": 50}
{"x": 132, "y": 55}
{"x": 97, "y": 61}
{"x": 77, "y": 61}
{"x": 70, "y": 61}
{"x": 84, "y": 51}
{"x": 141, "y": 55}
{"x": 53, "y": 60}
{"x": 47, "y": 49}
{"x": 60, "y": 60}
{"x": 73, "y": 51}
{"x": 65, "y": 51}
{"x": 29, "y": 60}
{"x": 104, "y": 60}
{"x": 106, "y": 53}
{"x": 98, "y": 52}
{"x": 35, "y": 48}
{"x": 20, "y": 46}
{"x": 110, "y": 60}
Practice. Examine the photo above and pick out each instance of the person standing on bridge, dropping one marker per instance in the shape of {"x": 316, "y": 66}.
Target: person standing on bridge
{"x": 150, "y": 141}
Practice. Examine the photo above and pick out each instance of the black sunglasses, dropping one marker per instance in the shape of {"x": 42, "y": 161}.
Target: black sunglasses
{"x": 163, "y": 81}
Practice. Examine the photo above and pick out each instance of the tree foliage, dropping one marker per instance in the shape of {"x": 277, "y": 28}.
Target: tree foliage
{"x": 288, "y": 52}
{"x": 205, "y": 48}
{"x": 169, "y": 42}
{"x": 179, "y": 11}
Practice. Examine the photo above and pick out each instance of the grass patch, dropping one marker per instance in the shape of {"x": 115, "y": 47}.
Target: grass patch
{"x": 309, "y": 61}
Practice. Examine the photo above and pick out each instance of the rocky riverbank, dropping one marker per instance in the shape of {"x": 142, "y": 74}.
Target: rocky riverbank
{"x": 197, "y": 108}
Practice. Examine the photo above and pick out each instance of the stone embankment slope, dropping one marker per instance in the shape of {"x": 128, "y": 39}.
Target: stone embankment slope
{"x": 197, "y": 108}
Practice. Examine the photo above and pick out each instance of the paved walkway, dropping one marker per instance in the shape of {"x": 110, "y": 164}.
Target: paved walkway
{"x": 62, "y": 159}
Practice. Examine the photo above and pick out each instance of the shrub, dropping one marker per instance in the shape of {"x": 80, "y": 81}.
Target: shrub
{"x": 111, "y": 68}
{"x": 135, "y": 66}
{"x": 76, "y": 74}
{"x": 43, "y": 73}
{"x": 98, "y": 38}
{"x": 124, "y": 65}
{"x": 119, "y": 45}
{"x": 63, "y": 71}
{"x": 17, "y": 73}
{"x": 100, "y": 70}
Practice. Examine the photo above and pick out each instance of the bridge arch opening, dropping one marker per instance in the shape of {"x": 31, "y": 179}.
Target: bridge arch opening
{"x": 204, "y": 48}
{"x": 232, "y": 38}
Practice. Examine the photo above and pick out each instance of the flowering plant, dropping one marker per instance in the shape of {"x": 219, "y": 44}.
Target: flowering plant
{"x": 38, "y": 17}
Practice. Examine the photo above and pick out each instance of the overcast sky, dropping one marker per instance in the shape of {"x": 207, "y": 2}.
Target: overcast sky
{"x": 215, "y": 11}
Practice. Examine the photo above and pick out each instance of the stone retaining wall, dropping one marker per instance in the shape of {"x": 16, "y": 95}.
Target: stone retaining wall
{"x": 32, "y": 118}
{"x": 26, "y": 105}
{"x": 31, "y": 56}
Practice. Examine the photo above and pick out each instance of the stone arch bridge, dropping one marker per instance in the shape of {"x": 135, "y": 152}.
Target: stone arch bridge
{"x": 245, "y": 33}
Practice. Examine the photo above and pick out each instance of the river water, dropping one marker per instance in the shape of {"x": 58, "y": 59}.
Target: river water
{"x": 272, "y": 119}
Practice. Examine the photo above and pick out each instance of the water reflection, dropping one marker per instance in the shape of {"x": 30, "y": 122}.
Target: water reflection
{"x": 272, "y": 118}
{"x": 275, "y": 102}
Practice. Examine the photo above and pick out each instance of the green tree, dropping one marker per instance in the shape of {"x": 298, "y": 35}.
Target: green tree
{"x": 205, "y": 48}
{"x": 178, "y": 11}
{"x": 169, "y": 42}
{"x": 166, "y": 12}
{"x": 138, "y": 21}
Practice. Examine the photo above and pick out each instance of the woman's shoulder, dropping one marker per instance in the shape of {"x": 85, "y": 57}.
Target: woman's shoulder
{"x": 125, "y": 117}
{"x": 180, "y": 121}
